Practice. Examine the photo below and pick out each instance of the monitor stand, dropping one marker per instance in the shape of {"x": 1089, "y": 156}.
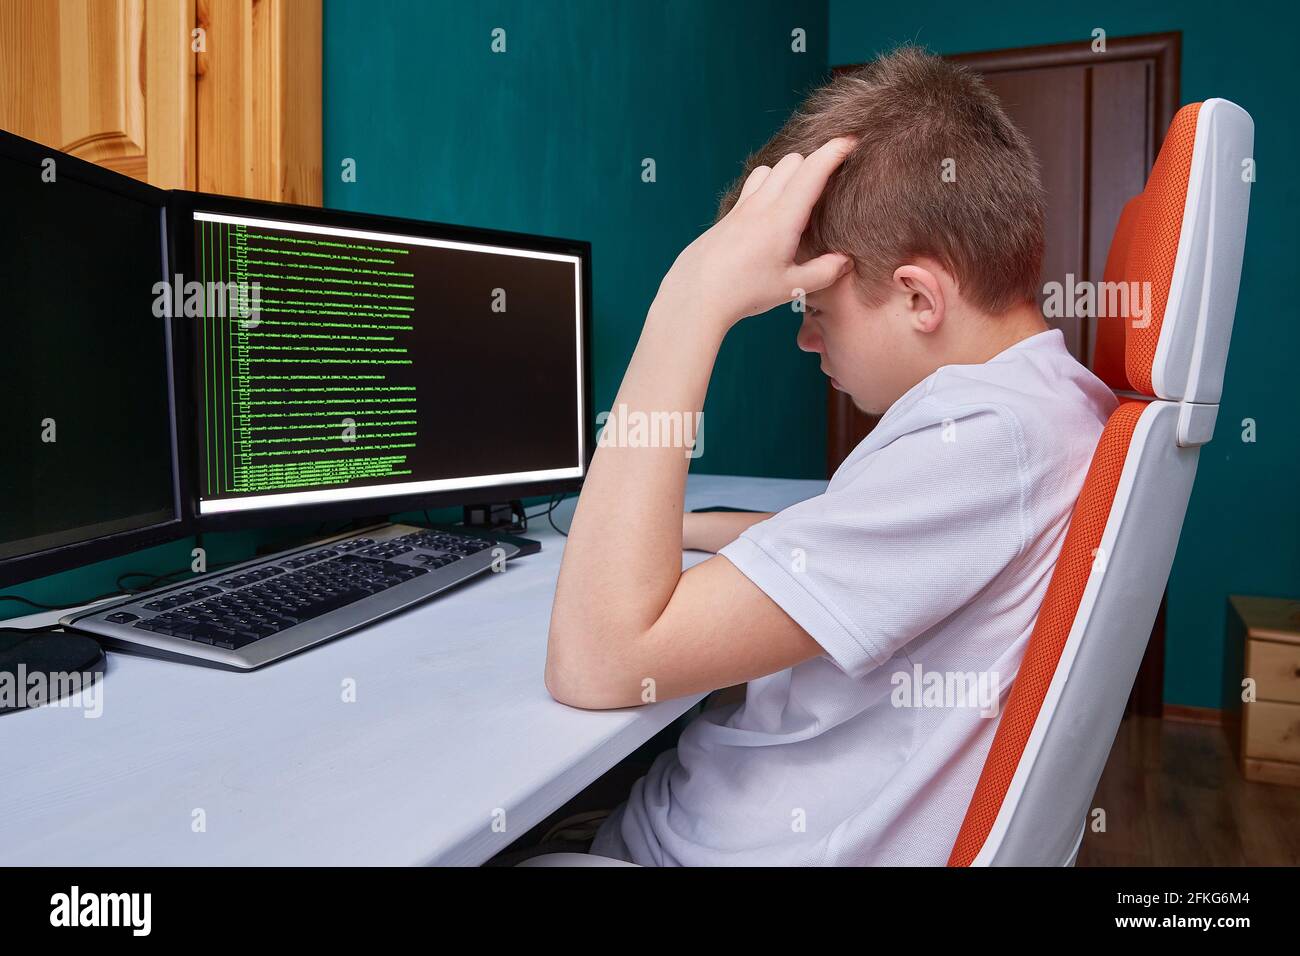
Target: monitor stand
{"x": 495, "y": 516}
{"x": 39, "y": 667}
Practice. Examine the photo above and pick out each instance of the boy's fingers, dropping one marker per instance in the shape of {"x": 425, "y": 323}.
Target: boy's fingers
{"x": 809, "y": 179}
{"x": 755, "y": 179}
{"x": 785, "y": 170}
{"x": 816, "y": 274}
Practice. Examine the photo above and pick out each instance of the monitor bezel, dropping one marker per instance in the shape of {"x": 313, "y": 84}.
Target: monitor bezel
{"x": 65, "y": 557}
{"x": 183, "y": 206}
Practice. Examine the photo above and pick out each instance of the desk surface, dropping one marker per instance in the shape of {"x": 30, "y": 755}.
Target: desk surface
{"x": 451, "y": 727}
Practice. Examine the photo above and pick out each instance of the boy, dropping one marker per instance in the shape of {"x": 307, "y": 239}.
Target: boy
{"x": 907, "y": 208}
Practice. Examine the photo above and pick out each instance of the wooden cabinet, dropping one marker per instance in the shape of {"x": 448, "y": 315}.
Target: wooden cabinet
{"x": 259, "y": 99}
{"x": 1269, "y": 634}
{"x": 218, "y": 95}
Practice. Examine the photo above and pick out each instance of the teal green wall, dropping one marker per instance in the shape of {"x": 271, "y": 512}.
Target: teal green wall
{"x": 549, "y": 137}
{"x": 1242, "y": 533}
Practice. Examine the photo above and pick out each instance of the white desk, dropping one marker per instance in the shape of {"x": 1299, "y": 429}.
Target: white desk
{"x": 451, "y": 724}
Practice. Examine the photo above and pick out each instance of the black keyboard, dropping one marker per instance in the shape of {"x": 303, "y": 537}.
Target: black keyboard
{"x": 286, "y": 594}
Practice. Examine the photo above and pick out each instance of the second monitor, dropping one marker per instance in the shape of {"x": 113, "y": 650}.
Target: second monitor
{"x": 356, "y": 365}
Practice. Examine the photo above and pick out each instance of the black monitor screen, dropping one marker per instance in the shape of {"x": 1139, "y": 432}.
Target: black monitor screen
{"x": 87, "y": 428}
{"x": 339, "y": 364}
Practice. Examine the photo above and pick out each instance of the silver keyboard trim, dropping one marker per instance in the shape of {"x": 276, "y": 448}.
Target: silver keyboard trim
{"x": 299, "y": 637}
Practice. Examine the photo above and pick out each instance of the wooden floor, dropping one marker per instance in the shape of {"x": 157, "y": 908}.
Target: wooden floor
{"x": 1174, "y": 796}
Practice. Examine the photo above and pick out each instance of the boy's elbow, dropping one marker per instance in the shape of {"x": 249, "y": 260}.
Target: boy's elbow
{"x": 582, "y": 692}
{"x": 561, "y": 686}
{"x": 584, "y": 680}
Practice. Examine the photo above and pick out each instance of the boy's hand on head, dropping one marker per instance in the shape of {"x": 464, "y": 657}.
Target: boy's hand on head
{"x": 745, "y": 264}
{"x": 624, "y": 611}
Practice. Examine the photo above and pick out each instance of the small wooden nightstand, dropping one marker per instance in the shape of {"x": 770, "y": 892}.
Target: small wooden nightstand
{"x": 1270, "y": 726}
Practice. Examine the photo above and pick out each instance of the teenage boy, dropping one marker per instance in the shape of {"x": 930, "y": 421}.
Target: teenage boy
{"x": 906, "y": 207}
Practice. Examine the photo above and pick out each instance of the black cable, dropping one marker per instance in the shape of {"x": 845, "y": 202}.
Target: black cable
{"x": 151, "y": 576}
{"x": 158, "y": 580}
{"x": 549, "y": 512}
{"x": 122, "y": 591}
{"x": 44, "y": 629}
{"x": 154, "y": 580}
{"x": 550, "y": 516}
{"x": 555, "y": 500}
{"x": 55, "y": 607}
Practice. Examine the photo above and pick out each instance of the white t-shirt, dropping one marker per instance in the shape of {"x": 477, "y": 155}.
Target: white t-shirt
{"x": 920, "y": 572}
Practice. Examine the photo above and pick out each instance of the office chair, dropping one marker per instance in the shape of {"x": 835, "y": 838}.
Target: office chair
{"x": 1184, "y": 234}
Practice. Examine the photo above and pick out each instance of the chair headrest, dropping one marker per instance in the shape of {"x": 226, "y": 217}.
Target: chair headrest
{"x": 1108, "y": 352}
{"x": 1183, "y": 262}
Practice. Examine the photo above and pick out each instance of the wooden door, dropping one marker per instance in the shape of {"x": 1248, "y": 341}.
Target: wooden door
{"x": 1096, "y": 121}
{"x": 218, "y": 95}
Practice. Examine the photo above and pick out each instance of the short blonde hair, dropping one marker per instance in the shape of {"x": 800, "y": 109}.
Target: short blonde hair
{"x": 916, "y": 117}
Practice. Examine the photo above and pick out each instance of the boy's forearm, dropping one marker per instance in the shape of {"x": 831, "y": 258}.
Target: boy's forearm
{"x": 714, "y": 530}
{"x": 622, "y": 558}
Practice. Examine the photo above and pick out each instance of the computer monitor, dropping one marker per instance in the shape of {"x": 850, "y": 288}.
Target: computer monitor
{"x": 349, "y": 365}
{"x": 90, "y": 466}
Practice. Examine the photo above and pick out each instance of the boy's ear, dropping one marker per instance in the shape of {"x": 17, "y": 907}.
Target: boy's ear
{"x": 923, "y": 298}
